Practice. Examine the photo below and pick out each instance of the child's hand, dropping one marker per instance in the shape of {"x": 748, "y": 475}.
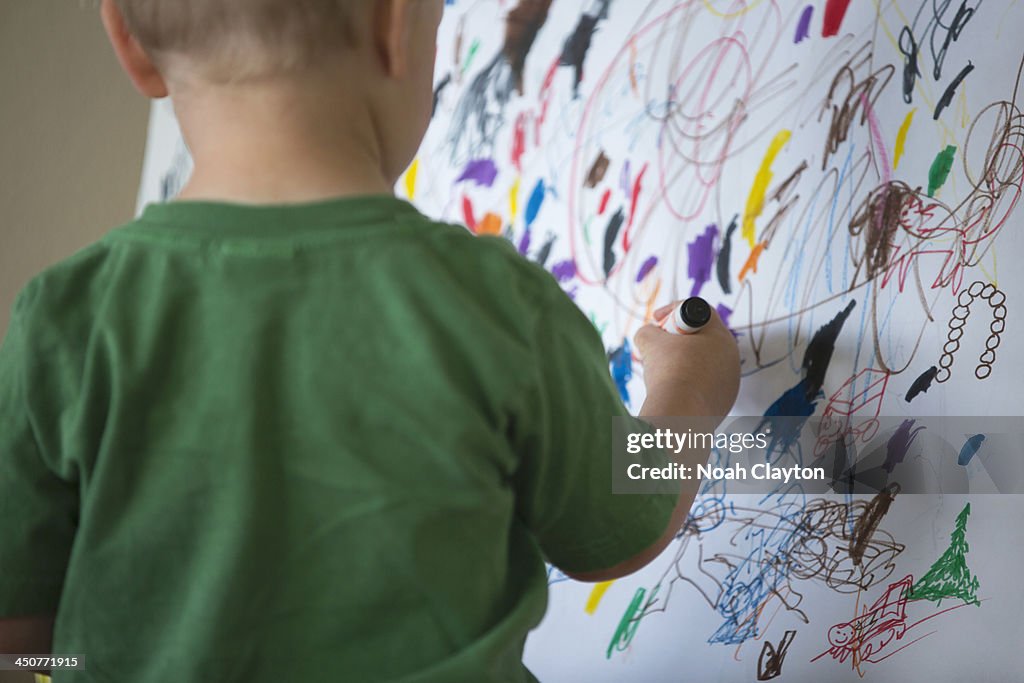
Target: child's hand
{"x": 689, "y": 374}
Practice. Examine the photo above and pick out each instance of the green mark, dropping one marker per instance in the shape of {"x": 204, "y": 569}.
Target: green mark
{"x": 628, "y": 624}
{"x": 597, "y": 326}
{"x": 472, "y": 53}
{"x": 950, "y": 577}
{"x": 941, "y": 167}
{"x": 586, "y": 230}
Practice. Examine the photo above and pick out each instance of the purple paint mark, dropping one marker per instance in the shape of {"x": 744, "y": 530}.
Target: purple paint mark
{"x": 564, "y": 270}
{"x": 898, "y": 445}
{"x": 524, "y": 243}
{"x": 724, "y": 312}
{"x": 803, "y": 27}
{"x": 702, "y": 259}
{"x": 626, "y": 179}
{"x": 646, "y": 268}
{"x": 481, "y": 171}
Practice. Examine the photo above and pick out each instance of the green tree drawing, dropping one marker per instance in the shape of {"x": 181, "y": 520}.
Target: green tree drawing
{"x": 950, "y": 576}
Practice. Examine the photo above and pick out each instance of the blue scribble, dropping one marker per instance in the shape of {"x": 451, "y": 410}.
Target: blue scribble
{"x": 969, "y": 449}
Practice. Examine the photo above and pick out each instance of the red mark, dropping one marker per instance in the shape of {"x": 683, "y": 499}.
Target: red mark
{"x": 519, "y": 142}
{"x": 467, "y": 212}
{"x": 835, "y": 11}
{"x": 637, "y": 186}
{"x": 545, "y": 97}
{"x": 604, "y": 202}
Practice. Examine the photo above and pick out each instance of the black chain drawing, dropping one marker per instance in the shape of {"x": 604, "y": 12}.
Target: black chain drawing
{"x": 996, "y": 300}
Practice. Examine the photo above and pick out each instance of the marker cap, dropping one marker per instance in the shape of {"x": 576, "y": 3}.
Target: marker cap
{"x": 692, "y": 315}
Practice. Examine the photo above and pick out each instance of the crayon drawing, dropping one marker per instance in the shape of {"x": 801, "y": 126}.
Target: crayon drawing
{"x": 842, "y": 181}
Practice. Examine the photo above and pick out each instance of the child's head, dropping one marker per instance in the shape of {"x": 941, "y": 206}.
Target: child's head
{"x": 382, "y": 51}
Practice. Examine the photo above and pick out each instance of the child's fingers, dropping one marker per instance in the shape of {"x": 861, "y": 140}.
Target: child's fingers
{"x": 646, "y": 337}
{"x": 665, "y": 310}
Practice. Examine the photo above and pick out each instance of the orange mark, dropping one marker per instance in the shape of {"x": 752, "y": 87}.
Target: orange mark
{"x": 595, "y": 596}
{"x": 490, "y": 225}
{"x": 751, "y": 265}
{"x": 632, "y": 67}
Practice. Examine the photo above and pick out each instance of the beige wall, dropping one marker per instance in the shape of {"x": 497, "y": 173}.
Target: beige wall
{"x": 72, "y": 134}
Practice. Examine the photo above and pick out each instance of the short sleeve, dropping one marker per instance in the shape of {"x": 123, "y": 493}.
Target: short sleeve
{"x": 565, "y": 444}
{"x": 38, "y": 510}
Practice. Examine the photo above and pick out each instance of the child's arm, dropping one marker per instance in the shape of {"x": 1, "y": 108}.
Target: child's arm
{"x": 686, "y": 375}
{"x": 564, "y": 485}
{"x": 38, "y": 509}
{"x": 26, "y": 636}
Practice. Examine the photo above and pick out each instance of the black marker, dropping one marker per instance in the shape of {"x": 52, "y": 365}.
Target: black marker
{"x": 689, "y": 317}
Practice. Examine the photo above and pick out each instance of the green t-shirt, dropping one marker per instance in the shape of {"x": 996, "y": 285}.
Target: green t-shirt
{"x": 331, "y": 441}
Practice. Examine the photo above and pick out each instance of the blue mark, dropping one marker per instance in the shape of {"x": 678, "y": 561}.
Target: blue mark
{"x": 970, "y": 448}
{"x": 794, "y": 403}
{"x": 621, "y": 361}
{"x": 535, "y": 202}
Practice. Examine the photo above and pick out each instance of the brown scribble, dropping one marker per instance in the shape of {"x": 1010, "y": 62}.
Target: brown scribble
{"x": 521, "y": 27}
{"x": 869, "y": 520}
{"x": 598, "y": 170}
{"x": 851, "y": 94}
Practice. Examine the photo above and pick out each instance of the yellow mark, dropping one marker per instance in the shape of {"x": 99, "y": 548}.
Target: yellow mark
{"x": 513, "y": 201}
{"x": 490, "y": 225}
{"x": 42, "y": 679}
{"x": 595, "y": 596}
{"x": 751, "y": 265}
{"x": 410, "y": 178}
{"x": 901, "y": 138}
{"x": 755, "y": 203}
{"x": 965, "y": 117}
{"x": 730, "y": 15}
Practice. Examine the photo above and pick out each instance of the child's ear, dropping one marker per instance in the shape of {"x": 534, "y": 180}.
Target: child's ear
{"x": 392, "y": 32}
{"x": 134, "y": 60}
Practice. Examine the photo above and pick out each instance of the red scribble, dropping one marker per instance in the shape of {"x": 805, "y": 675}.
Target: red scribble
{"x": 869, "y": 634}
{"x": 545, "y": 98}
{"x": 605, "y": 198}
{"x": 835, "y": 12}
{"x": 866, "y": 637}
{"x": 637, "y": 187}
{"x": 519, "y": 142}
{"x": 861, "y": 395}
{"x": 467, "y": 213}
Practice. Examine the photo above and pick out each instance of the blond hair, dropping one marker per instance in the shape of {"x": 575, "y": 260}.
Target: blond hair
{"x": 239, "y": 39}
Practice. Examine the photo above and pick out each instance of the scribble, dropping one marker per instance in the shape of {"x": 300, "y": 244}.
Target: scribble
{"x": 950, "y": 577}
{"x": 769, "y": 664}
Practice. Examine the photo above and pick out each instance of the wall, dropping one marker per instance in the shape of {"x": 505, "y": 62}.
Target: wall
{"x": 72, "y": 136}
